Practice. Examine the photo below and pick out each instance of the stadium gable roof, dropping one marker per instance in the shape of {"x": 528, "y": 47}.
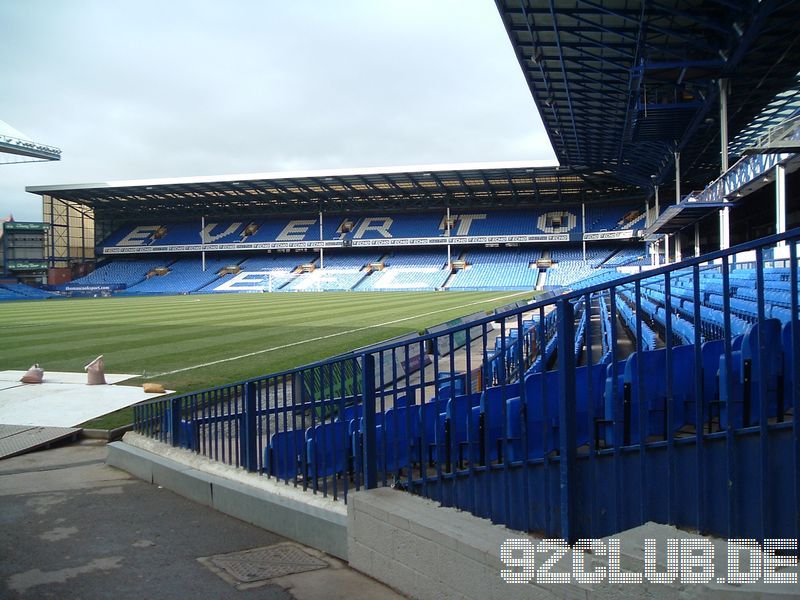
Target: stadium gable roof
{"x": 497, "y": 185}
{"x": 621, "y": 85}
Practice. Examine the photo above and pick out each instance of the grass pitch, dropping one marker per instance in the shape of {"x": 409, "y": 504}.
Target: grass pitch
{"x": 167, "y": 339}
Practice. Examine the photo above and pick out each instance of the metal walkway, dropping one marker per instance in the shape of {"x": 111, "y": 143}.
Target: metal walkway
{"x": 19, "y": 439}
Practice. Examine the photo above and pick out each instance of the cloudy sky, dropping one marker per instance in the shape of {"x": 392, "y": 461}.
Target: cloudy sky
{"x": 140, "y": 88}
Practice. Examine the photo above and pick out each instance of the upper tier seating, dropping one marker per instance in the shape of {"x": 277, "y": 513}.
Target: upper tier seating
{"x": 542, "y": 221}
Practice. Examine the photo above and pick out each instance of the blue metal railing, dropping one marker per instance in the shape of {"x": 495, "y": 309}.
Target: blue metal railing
{"x": 642, "y": 399}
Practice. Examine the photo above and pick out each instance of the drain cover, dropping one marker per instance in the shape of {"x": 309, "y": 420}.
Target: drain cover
{"x": 262, "y": 564}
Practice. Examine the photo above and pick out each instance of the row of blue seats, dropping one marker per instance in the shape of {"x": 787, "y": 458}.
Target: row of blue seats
{"x": 626, "y": 311}
{"x": 484, "y": 427}
{"x": 711, "y": 318}
{"x": 739, "y": 405}
{"x": 403, "y": 433}
{"x": 605, "y": 326}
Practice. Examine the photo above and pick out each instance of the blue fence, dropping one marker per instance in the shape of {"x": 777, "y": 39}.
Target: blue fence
{"x": 664, "y": 396}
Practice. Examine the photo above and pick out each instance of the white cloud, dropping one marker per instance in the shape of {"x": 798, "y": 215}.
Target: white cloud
{"x": 160, "y": 89}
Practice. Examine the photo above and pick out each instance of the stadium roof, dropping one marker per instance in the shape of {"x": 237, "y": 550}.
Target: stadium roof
{"x": 783, "y": 108}
{"x": 16, "y": 147}
{"x": 621, "y": 85}
{"x": 507, "y": 184}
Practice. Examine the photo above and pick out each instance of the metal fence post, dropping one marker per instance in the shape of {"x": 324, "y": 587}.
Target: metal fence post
{"x": 368, "y": 401}
{"x": 566, "y": 417}
{"x": 175, "y": 420}
{"x": 248, "y": 435}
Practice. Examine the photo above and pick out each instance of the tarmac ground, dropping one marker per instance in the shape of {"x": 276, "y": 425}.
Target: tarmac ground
{"x": 74, "y": 527}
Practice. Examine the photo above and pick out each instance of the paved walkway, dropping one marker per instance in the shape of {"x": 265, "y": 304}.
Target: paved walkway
{"x": 73, "y": 527}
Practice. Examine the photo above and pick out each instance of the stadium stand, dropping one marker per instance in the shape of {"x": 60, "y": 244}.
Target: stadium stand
{"x": 481, "y": 268}
{"x": 185, "y": 275}
{"x": 566, "y": 220}
{"x": 20, "y": 291}
{"x": 509, "y": 266}
{"x": 260, "y": 273}
{"x": 494, "y": 269}
{"x": 408, "y": 271}
{"x": 126, "y": 272}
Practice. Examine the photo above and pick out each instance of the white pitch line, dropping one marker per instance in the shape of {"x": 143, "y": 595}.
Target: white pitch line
{"x": 330, "y": 335}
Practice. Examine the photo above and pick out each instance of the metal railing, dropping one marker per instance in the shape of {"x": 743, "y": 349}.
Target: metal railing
{"x": 664, "y": 396}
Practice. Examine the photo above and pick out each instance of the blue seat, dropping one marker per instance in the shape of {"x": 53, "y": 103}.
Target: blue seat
{"x": 351, "y": 412}
{"x": 784, "y": 315}
{"x": 189, "y": 435}
{"x": 788, "y": 382}
{"x": 451, "y": 431}
{"x": 429, "y": 420}
{"x": 328, "y": 449}
{"x": 397, "y": 439}
{"x": 355, "y": 430}
{"x": 487, "y": 420}
{"x": 446, "y": 380}
{"x": 282, "y": 456}
{"x": 582, "y": 424}
{"x": 611, "y": 385}
{"x": 740, "y": 405}
{"x": 533, "y": 418}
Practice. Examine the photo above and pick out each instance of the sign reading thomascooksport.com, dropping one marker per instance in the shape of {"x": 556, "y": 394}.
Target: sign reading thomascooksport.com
{"x": 674, "y": 560}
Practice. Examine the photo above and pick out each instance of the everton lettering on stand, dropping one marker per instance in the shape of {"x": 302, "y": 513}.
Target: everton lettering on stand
{"x": 429, "y": 241}
{"x": 336, "y": 231}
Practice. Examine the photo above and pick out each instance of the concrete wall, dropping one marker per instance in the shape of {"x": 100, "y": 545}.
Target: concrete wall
{"x": 424, "y": 550}
{"x": 311, "y": 520}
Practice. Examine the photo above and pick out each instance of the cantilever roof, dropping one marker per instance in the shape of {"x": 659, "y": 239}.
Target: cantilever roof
{"x": 21, "y": 148}
{"x": 621, "y": 85}
{"x": 506, "y": 184}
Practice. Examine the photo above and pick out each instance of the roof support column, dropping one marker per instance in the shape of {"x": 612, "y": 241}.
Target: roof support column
{"x": 203, "y": 241}
{"x": 657, "y": 255}
{"x": 447, "y": 233}
{"x": 648, "y": 247}
{"x": 666, "y": 249}
{"x": 583, "y": 228}
{"x": 321, "y": 250}
{"x": 780, "y": 200}
{"x": 678, "y": 254}
{"x": 677, "y": 177}
{"x": 697, "y": 239}
{"x": 658, "y": 208}
{"x": 724, "y": 214}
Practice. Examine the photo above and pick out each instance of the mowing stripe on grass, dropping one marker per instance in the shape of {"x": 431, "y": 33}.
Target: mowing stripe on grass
{"x": 330, "y": 335}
